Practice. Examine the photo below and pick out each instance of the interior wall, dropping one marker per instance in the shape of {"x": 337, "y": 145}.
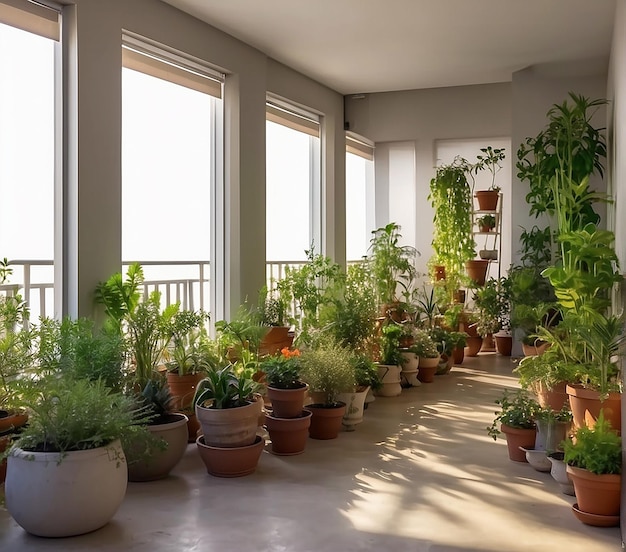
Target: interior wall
{"x": 95, "y": 246}
{"x": 423, "y": 117}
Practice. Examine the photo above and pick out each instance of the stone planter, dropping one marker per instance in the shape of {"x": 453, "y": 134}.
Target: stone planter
{"x": 390, "y": 377}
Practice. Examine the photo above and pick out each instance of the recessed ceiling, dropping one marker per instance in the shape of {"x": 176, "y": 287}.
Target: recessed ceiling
{"x": 356, "y": 46}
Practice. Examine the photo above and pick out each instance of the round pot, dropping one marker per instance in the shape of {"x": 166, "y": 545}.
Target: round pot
{"x": 355, "y": 407}
{"x": 555, "y": 398}
{"x": 504, "y": 344}
{"x": 550, "y": 434}
{"x": 410, "y": 361}
{"x": 161, "y": 462}
{"x": 586, "y": 406}
{"x": 477, "y": 271}
{"x": 596, "y": 494}
{"x": 558, "y": 472}
{"x": 11, "y": 421}
{"x": 458, "y": 354}
{"x": 182, "y": 389}
{"x": 231, "y": 461}
{"x": 537, "y": 349}
{"x": 229, "y": 427}
{"x": 287, "y": 403}
{"x": 538, "y": 459}
{"x": 391, "y": 380}
{"x": 5, "y": 443}
{"x": 474, "y": 345}
{"x": 487, "y": 199}
{"x": 427, "y": 369}
{"x": 439, "y": 272}
{"x": 62, "y": 495}
{"x": 289, "y": 435}
{"x": 276, "y": 339}
{"x": 516, "y": 438}
{"x": 488, "y": 254}
{"x": 326, "y": 420}
{"x": 445, "y": 365}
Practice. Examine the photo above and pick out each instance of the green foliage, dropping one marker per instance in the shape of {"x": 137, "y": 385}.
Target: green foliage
{"x": 328, "y": 368}
{"x": 536, "y": 250}
{"x": 242, "y": 332}
{"x": 366, "y": 373}
{"x": 427, "y": 307}
{"x": 423, "y": 345}
{"x": 517, "y": 410}
{"x": 487, "y": 221}
{"x": 391, "y": 333}
{"x": 190, "y": 350}
{"x": 597, "y": 449}
{"x": 272, "y": 308}
{"x": 492, "y": 303}
{"x": 120, "y": 296}
{"x": 451, "y": 198}
{"x": 490, "y": 160}
{"x": 68, "y": 415}
{"x": 5, "y": 270}
{"x": 391, "y": 264}
{"x": 222, "y": 388}
{"x": 283, "y": 370}
{"x": 547, "y": 369}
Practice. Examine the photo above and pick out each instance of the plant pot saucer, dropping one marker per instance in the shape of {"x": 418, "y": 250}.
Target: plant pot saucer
{"x": 595, "y": 519}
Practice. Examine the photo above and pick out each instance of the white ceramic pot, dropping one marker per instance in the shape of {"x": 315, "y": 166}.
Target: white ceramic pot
{"x": 355, "y": 407}
{"x": 54, "y": 495}
{"x": 390, "y": 377}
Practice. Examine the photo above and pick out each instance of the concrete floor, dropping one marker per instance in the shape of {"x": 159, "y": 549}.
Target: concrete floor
{"x": 419, "y": 474}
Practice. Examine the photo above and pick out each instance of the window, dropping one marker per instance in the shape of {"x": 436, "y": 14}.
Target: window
{"x": 359, "y": 196}
{"x": 171, "y": 133}
{"x": 28, "y": 42}
{"x": 292, "y": 183}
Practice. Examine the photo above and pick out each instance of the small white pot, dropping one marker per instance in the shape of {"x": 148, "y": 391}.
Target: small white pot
{"x": 390, "y": 377}
{"x": 355, "y": 407}
{"x": 54, "y": 495}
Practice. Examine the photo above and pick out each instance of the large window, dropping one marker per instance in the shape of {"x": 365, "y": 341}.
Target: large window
{"x": 359, "y": 196}
{"x": 171, "y": 132}
{"x": 28, "y": 39}
{"x": 292, "y": 184}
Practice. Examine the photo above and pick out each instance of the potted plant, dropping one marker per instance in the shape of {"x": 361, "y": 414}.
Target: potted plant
{"x": 67, "y": 472}
{"x": 366, "y": 376}
{"x": 272, "y": 314}
{"x": 328, "y": 368}
{"x": 490, "y": 160}
{"x": 228, "y": 414}
{"x": 390, "y": 360}
{"x": 426, "y": 349}
{"x": 390, "y": 265}
{"x": 594, "y": 462}
{"x": 189, "y": 353}
{"x": 451, "y": 199}
{"x": 486, "y": 223}
{"x": 552, "y": 428}
{"x": 517, "y": 421}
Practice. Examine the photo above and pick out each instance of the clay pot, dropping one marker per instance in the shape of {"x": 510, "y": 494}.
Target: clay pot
{"x": 586, "y": 406}
{"x": 596, "y": 494}
{"x": 287, "y": 403}
{"x": 477, "y": 271}
{"x": 458, "y": 354}
{"x": 229, "y": 427}
{"x": 439, "y": 272}
{"x": 504, "y": 344}
{"x": 11, "y": 421}
{"x": 537, "y": 349}
{"x": 516, "y": 438}
{"x": 276, "y": 339}
{"x": 289, "y": 435}
{"x": 326, "y": 420}
{"x": 231, "y": 461}
{"x": 555, "y": 398}
{"x": 487, "y": 200}
{"x": 427, "y": 369}
{"x": 474, "y": 345}
{"x": 182, "y": 389}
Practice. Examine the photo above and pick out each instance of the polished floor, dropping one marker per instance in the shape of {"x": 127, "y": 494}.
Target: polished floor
{"x": 419, "y": 474}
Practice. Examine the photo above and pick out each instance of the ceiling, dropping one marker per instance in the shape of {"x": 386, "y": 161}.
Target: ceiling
{"x": 357, "y": 46}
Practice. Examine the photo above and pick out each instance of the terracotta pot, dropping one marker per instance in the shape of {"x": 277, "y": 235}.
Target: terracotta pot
{"x": 287, "y": 403}
{"x": 229, "y": 427}
{"x": 439, "y": 272}
{"x": 504, "y": 344}
{"x": 276, "y": 339}
{"x": 474, "y": 345}
{"x": 11, "y": 422}
{"x": 458, "y": 354}
{"x": 161, "y": 462}
{"x": 489, "y": 344}
{"x": 516, "y": 438}
{"x": 326, "y": 420}
{"x": 427, "y": 369}
{"x": 231, "y": 461}
{"x": 477, "y": 271}
{"x": 555, "y": 398}
{"x": 5, "y": 442}
{"x": 586, "y": 406}
{"x": 596, "y": 494}
{"x": 390, "y": 378}
{"x": 183, "y": 389}
{"x": 289, "y": 435}
{"x": 487, "y": 200}
{"x": 61, "y": 495}
{"x": 459, "y": 296}
{"x": 538, "y": 348}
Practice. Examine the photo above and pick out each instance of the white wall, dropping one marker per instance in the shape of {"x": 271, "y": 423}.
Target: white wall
{"x": 93, "y": 31}
{"x": 422, "y": 117}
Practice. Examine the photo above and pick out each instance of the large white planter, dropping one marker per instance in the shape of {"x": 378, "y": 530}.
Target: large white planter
{"x": 410, "y": 364}
{"x": 54, "y": 495}
{"x": 390, "y": 377}
{"x": 355, "y": 407}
